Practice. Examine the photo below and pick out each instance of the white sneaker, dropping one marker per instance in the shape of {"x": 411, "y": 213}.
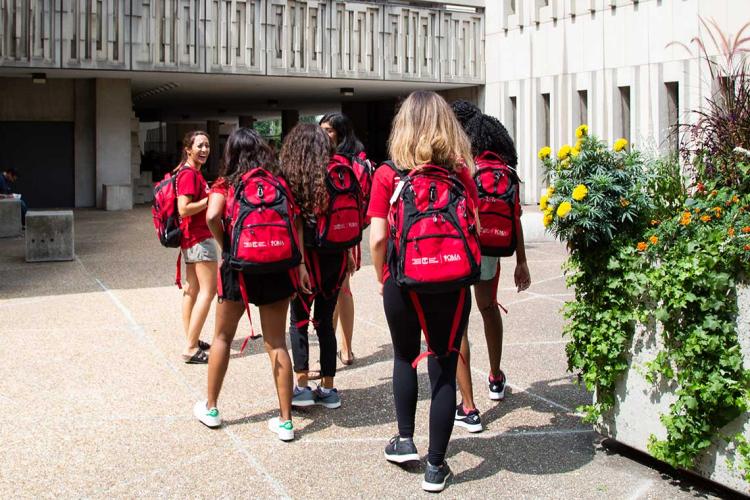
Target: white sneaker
{"x": 208, "y": 416}
{"x": 285, "y": 430}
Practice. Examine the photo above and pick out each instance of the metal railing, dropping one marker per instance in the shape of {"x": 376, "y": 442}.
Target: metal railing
{"x": 318, "y": 38}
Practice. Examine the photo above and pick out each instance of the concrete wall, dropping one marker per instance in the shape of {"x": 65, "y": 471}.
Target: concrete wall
{"x": 113, "y": 141}
{"x": 85, "y": 143}
{"x": 23, "y": 100}
{"x": 595, "y": 46}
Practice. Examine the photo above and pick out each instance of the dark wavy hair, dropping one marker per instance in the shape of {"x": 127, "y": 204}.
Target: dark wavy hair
{"x": 305, "y": 154}
{"x": 485, "y": 132}
{"x": 348, "y": 143}
{"x": 244, "y": 151}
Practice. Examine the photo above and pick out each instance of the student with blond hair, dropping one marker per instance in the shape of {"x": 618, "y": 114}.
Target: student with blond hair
{"x": 425, "y": 137}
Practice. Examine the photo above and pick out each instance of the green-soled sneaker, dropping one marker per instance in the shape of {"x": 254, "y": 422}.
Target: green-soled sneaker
{"x": 208, "y": 416}
{"x": 284, "y": 430}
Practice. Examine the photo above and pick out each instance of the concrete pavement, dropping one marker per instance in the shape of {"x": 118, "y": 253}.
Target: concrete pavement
{"x": 95, "y": 401}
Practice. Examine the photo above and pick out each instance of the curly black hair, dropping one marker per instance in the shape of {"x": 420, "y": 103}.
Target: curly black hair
{"x": 465, "y": 111}
{"x": 488, "y": 134}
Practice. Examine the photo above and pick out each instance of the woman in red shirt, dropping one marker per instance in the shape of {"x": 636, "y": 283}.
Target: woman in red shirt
{"x": 425, "y": 132}
{"x": 198, "y": 245}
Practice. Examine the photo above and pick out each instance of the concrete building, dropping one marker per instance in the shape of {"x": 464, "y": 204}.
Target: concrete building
{"x": 96, "y": 95}
{"x": 554, "y": 64}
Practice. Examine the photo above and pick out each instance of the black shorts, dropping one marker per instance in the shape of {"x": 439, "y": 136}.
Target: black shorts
{"x": 262, "y": 289}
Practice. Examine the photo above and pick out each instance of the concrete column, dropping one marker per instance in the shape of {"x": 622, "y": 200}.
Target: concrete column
{"x": 85, "y": 147}
{"x": 289, "y": 118}
{"x": 247, "y": 121}
{"x": 214, "y": 135}
{"x": 113, "y": 109}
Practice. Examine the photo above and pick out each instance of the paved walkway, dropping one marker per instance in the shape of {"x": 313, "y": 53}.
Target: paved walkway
{"x": 95, "y": 401}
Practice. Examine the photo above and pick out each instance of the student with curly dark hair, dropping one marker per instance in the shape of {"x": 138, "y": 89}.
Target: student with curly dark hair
{"x": 305, "y": 154}
{"x": 245, "y": 151}
{"x": 487, "y": 134}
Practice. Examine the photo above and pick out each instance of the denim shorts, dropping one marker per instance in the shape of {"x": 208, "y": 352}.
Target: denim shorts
{"x": 205, "y": 251}
{"x": 489, "y": 268}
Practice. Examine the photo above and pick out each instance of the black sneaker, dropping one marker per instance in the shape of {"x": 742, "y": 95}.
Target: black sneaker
{"x": 497, "y": 388}
{"x": 400, "y": 450}
{"x": 435, "y": 477}
{"x": 469, "y": 421}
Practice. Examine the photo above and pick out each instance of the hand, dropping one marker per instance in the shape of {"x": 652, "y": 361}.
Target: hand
{"x": 304, "y": 280}
{"x": 522, "y": 277}
{"x": 351, "y": 264}
{"x": 380, "y": 288}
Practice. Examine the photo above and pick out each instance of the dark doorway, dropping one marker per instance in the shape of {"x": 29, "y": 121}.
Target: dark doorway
{"x": 42, "y": 153}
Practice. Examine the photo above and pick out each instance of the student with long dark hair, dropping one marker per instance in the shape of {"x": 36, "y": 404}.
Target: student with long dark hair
{"x": 305, "y": 154}
{"x": 271, "y": 292}
{"x": 339, "y": 128}
{"x": 487, "y": 134}
{"x": 198, "y": 246}
{"x": 425, "y": 134}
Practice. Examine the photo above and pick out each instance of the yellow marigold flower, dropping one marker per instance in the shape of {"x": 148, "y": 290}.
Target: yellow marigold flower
{"x": 642, "y": 246}
{"x": 620, "y": 144}
{"x": 563, "y": 152}
{"x": 580, "y": 192}
{"x": 544, "y": 152}
{"x": 717, "y": 211}
{"x": 624, "y": 203}
{"x": 735, "y": 199}
{"x": 543, "y": 202}
{"x": 575, "y": 152}
{"x": 706, "y": 218}
{"x": 655, "y": 222}
{"x": 566, "y": 162}
{"x": 550, "y": 191}
{"x": 582, "y": 131}
{"x": 686, "y": 218}
{"x": 564, "y": 209}
{"x": 730, "y": 231}
{"x": 654, "y": 240}
{"x": 547, "y": 220}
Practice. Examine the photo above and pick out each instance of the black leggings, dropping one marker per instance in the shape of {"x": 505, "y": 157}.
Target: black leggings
{"x": 439, "y": 311}
{"x": 324, "y": 303}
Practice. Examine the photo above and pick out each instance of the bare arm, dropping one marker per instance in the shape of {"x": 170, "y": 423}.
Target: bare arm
{"x": 304, "y": 277}
{"x": 186, "y": 207}
{"x": 214, "y": 213}
{"x": 378, "y": 245}
{"x": 521, "y": 276}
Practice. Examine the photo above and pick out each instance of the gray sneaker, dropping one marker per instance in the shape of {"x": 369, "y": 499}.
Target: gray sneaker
{"x": 330, "y": 400}
{"x": 303, "y": 397}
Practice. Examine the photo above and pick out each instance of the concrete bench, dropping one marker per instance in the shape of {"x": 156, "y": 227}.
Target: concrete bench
{"x": 10, "y": 217}
{"x": 118, "y": 197}
{"x": 49, "y": 236}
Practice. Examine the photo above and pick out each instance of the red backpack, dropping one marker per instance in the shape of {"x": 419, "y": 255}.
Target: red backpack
{"x": 434, "y": 245}
{"x": 499, "y": 204}
{"x": 259, "y": 214}
{"x": 341, "y": 226}
{"x": 164, "y": 211}
{"x": 364, "y": 171}
{"x": 259, "y": 224}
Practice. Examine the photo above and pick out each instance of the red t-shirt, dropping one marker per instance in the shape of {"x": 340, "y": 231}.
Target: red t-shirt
{"x": 191, "y": 183}
{"x": 384, "y": 183}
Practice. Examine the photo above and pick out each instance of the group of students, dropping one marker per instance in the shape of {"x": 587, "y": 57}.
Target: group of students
{"x": 284, "y": 234}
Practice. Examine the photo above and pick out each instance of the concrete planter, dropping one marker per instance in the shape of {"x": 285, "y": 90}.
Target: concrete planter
{"x": 639, "y": 404}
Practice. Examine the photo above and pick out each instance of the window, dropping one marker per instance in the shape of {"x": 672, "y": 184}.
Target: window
{"x": 511, "y": 118}
{"x": 623, "y": 113}
{"x": 672, "y": 118}
{"x": 582, "y": 112}
{"x": 545, "y": 122}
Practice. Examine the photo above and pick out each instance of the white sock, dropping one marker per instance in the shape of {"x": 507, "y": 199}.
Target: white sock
{"x": 301, "y": 388}
{"x": 324, "y": 391}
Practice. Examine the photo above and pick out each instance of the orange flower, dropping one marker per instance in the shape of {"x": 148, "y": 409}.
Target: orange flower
{"x": 706, "y": 218}
{"x": 697, "y": 210}
{"x": 717, "y": 211}
{"x": 654, "y": 240}
{"x": 714, "y": 192}
{"x": 746, "y": 247}
{"x": 735, "y": 199}
{"x": 624, "y": 202}
{"x": 642, "y": 246}
{"x": 655, "y": 222}
{"x": 701, "y": 187}
{"x": 685, "y": 219}
{"x": 746, "y": 229}
{"x": 730, "y": 232}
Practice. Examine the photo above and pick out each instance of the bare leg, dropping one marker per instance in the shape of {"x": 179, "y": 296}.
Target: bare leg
{"x": 206, "y": 273}
{"x": 485, "y": 293}
{"x": 273, "y": 323}
{"x": 345, "y": 312}
{"x": 228, "y": 314}
{"x": 189, "y": 294}
{"x": 463, "y": 374}
{"x": 302, "y": 379}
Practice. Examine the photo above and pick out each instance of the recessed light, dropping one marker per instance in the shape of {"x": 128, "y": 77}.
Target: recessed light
{"x": 347, "y": 91}
{"x": 39, "y": 78}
